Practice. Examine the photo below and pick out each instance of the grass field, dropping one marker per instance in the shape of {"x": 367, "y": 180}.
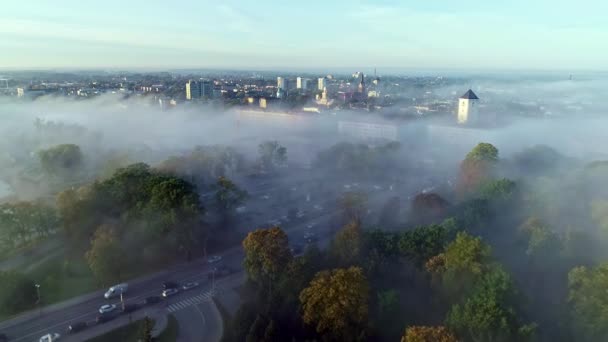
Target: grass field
{"x": 132, "y": 332}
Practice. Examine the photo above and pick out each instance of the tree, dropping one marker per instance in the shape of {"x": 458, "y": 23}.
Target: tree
{"x": 353, "y": 206}
{"x": 336, "y": 303}
{"x": 272, "y": 155}
{"x": 537, "y": 159}
{"x": 465, "y": 260}
{"x": 146, "y": 330}
{"x": 348, "y": 244}
{"x": 17, "y": 293}
{"x": 428, "y": 207}
{"x": 61, "y": 159}
{"x": 228, "y": 196}
{"x": 498, "y": 190}
{"x": 543, "y": 243}
{"x": 422, "y": 243}
{"x": 428, "y": 334}
{"x": 477, "y": 167}
{"x": 589, "y": 302}
{"x": 106, "y": 258}
{"x": 267, "y": 254}
{"x": 488, "y": 313}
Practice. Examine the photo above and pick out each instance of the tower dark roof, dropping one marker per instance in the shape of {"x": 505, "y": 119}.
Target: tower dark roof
{"x": 469, "y": 95}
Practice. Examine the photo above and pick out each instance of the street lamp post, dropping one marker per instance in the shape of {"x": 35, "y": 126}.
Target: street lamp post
{"x": 37, "y": 293}
{"x": 38, "y": 300}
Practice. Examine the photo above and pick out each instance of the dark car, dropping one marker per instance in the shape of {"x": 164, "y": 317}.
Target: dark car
{"x": 3, "y": 338}
{"x": 170, "y": 285}
{"x": 152, "y": 300}
{"x": 76, "y": 327}
{"x": 220, "y": 271}
{"x": 129, "y": 308}
{"x": 102, "y": 318}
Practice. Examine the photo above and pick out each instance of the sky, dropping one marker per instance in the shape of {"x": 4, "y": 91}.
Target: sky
{"x": 305, "y": 34}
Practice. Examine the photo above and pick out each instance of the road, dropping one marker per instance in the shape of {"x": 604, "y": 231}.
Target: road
{"x": 56, "y": 318}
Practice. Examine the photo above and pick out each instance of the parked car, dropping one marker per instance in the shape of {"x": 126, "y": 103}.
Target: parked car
{"x": 129, "y": 308}
{"x": 50, "y": 337}
{"x": 170, "y": 292}
{"x": 170, "y": 285}
{"x": 152, "y": 300}
{"x": 214, "y": 258}
{"x": 188, "y": 286}
{"x": 76, "y": 327}
{"x": 116, "y": 290}
{"x": 107, "y": 308}
{"x": 102, "y": 318}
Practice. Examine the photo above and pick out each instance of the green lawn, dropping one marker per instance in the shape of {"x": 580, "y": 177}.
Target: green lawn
{"x": 132, "y": 331}
{"x": 170, "y": 333}
{"x": 63, "y": 277}
{"x": 129, "y": 332}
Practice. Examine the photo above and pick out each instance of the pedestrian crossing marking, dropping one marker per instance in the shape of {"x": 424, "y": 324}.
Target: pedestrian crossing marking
{"x": 203, "y": 297}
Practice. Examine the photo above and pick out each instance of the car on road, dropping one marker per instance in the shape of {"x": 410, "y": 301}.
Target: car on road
{"x": 152, "y": 300}
{"x": 116, "y": 290}
{"x": 50, "y": 337}
{"x": 76, "y": 327}
{"x": 318, "y": 207}
{"x": 188, "y": 286}
{"x": 170, "y": 285}
{"x": 266, "y": 197}
{"x": 310, "y": 225}
{"x": 129, "y": 308}
{"x": 170, "y": 292}
{"x": 102, "y": 318}
{"x": 214, "y": 258}
{"x": 107, "y": 308}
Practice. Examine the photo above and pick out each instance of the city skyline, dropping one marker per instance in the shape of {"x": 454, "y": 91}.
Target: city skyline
{"x": 465, "y": 35}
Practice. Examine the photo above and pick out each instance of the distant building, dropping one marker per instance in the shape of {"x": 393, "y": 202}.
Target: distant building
{"x": 301, "y": 83}
{"x": 199, "y": 89}
{"x": 322, "y": 83}
{"x": 30, "y": 93}
{"x": 282, "y": 83}
{"x": 263, "y": 103}
{"x": 467, "y": 108}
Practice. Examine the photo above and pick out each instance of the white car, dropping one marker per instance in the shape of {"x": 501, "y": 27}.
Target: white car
{"x": 188, "y": 286}
{"x": 266, "y": 197}
{"x": 107, "y": 308}
{"x": 50, "y": 337}
{"x": 214, "y": 258}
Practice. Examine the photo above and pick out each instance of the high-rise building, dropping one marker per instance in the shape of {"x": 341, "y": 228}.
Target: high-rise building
{"x": 193, "y": 90}
{"x": 322, "y": 83}
{"x": 361, "y": 86}
{"x": 282, "y": 83}
{"x": 302, "y": 83}
{"x": 467, "y": 108}
{"x": 199, "y": 89}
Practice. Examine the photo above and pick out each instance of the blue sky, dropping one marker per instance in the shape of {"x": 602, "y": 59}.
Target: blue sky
{"x": 310, "y": 34}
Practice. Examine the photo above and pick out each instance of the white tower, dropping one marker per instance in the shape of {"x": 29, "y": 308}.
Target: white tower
{"x": 467, "y": 108}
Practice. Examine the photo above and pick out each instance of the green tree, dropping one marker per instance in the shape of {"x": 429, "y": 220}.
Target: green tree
{"x": 17, "y": 293}
{"x": 267, "y": 254}
{"x": 353, "y": 206}
{"x": 428, "y": 207}
{"x": 146, "y": 330}
{"x": 422, "y": 243}
{"x": 336, "y": 303}
{"x": 477, "y": 168}
{"x": 488, "y": 314}
{"x": 464, "y": 261}
{"x": 106, "y": 258}
{"x": 589, "y": 301}
{"x": 61, "y": 159}
{"x": 228, "y": 196}
{"x": 428, "y": 334}
{"x": 498, "y": 190}
{"x": 347, "y": 245}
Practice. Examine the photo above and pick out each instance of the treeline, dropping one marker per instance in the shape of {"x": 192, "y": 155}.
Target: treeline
{"x": 492, "y": 270}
